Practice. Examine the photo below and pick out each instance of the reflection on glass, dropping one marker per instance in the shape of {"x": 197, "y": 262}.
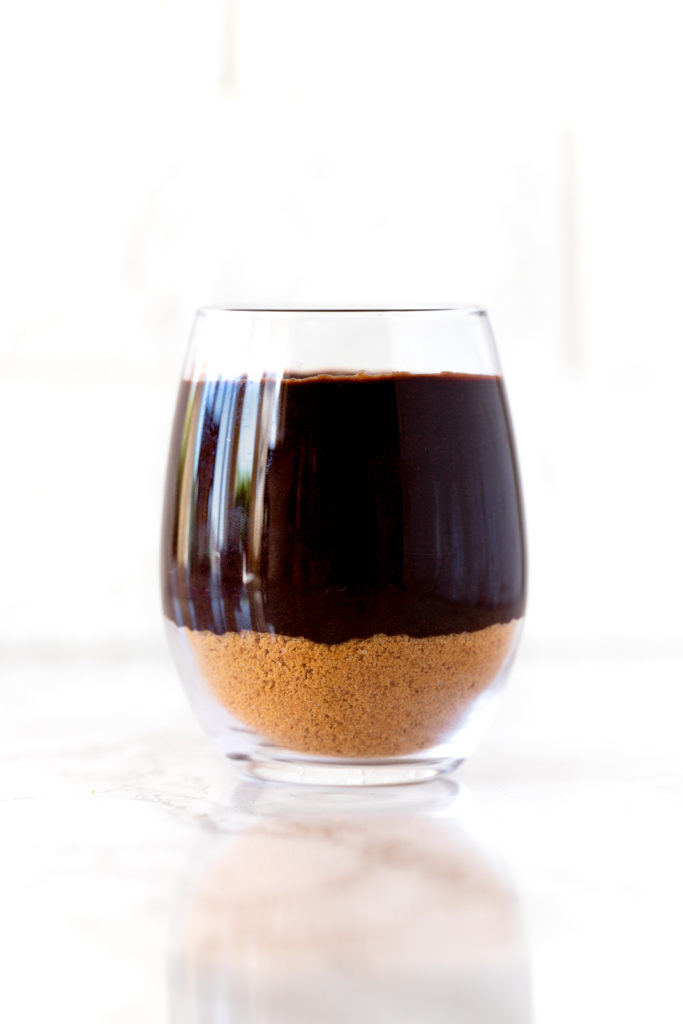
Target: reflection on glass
{"x": 351, "y": 909}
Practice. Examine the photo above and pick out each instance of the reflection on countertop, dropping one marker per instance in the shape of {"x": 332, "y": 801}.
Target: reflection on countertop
{"x": 336, "y": 906}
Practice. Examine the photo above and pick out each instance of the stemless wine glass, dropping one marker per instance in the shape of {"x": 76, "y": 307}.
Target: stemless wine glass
{"x": 343, "y": 561}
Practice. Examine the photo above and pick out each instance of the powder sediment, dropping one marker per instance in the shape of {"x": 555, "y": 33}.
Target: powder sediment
{"x": 383, "y": 696}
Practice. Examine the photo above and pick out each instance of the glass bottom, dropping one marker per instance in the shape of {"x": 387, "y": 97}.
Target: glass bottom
{"x": 319, "y": 772}
{"x": 261, "y": 757}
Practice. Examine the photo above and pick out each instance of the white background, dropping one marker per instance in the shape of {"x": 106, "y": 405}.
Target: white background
{"x": 159, "y": 155}
{"x": 162, "y": 155}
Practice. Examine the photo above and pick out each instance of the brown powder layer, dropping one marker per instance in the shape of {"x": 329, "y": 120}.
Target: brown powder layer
{"x": 380, "y": 697}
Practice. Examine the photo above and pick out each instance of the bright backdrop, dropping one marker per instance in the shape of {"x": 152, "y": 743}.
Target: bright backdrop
{"x": 160, "y": 155}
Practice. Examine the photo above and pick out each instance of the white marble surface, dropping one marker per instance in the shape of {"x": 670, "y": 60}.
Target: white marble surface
{"x": 142, "y": 881}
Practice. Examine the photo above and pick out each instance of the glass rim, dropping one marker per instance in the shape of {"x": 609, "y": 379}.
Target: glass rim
{"x": 457, "y": 309}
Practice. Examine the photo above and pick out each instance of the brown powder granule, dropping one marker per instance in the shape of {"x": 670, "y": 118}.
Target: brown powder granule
{"x": 380, "y": 697}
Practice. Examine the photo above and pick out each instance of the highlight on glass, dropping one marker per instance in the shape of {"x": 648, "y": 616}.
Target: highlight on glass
{"x": 343, "y": 555}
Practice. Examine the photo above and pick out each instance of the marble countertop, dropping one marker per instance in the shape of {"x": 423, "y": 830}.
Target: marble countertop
{"x": 143, "y": 880}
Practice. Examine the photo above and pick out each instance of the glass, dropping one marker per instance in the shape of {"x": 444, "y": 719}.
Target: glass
{"x": 343, "y": 563}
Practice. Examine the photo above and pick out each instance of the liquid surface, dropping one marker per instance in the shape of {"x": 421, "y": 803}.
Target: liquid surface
{"x": 339, "y": 507}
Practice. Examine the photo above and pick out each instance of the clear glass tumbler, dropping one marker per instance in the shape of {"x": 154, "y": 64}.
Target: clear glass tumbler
{"x": 343, "y": 557}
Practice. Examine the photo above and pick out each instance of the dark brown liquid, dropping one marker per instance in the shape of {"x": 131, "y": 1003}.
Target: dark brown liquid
{"x": 336, "y": 507}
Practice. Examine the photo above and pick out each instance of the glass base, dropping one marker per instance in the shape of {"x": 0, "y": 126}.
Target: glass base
{"x": 343, "y": 773}
{"x": 260, "y": 758}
